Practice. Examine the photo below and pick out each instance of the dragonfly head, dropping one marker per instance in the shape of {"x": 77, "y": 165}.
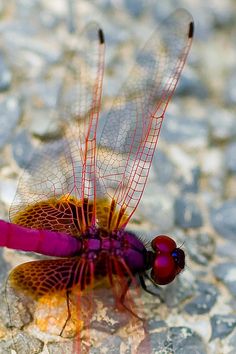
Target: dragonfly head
{"x": 168, "y": 260}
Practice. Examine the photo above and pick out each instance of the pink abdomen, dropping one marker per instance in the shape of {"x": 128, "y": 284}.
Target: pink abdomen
{"x": 46, "y": 242}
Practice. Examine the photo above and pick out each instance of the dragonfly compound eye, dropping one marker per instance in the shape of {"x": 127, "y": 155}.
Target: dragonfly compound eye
{"x": 169, "y": 260}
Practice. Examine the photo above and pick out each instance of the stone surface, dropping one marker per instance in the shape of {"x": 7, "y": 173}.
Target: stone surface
{"x": 60, "y": 348}
{"x": 205, "y": 299}
{"x": 22, "y": 148}
{"x": 157, "y": 207}
{"x": 191, "y": 183}
{"x": 184, "y": 130}
{"x": 222, "y": 325}
{"x": 226, "y": 250}
{"x": 4, "y": 266}
{"x": 174, "y": 340}
{"x": 230, "y": 156}
{"x": 190, "y": 191}
{"x": 222, "y": 124}
{"x": 223, "y": 219}
{"x": 201, "y": 248}
{"x": 5, "y": 75}
{"x": 10, "y": 112}
{"x": 187, "y": 212}
{"x": 232, "y": 343}
{"x": 179, "y": 291}
{"x": 226, "y": 273}
{"x": 165, "y": 170}
{"x": 110, "y": 345}
{"x": 230, "y": 90}
{"x": 22, "y": 343}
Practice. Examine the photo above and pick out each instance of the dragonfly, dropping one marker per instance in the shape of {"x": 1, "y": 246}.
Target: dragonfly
{"x": 75, "y": 199}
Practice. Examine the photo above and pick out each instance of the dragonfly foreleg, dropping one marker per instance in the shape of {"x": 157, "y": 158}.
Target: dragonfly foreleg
{"x": 157, "y": 293}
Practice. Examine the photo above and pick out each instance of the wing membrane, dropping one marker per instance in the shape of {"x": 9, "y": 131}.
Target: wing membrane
{"x": 67, "y": 167}
{"x": 133, "y": 125}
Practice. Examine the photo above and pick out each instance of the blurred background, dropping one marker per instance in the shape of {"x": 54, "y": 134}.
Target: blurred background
{"x": 191, "y": 191}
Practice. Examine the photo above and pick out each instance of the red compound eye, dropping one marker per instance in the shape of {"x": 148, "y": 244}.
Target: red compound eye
{"x": 164, "y": 269}
{"x": 169, "y": 260}
{"x": 163, "y": 243}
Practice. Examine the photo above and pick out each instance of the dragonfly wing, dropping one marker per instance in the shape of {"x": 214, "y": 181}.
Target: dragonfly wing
{"x": 133, "y": 125}
{"x": 51, "y": 291}
{"x": 60, "y": 297}
{"x": 67, "y": 166}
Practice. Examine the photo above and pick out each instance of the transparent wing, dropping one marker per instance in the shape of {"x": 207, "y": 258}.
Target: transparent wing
{"x": 133, "y": 125}
{"x": 66, "y": 168}
{"x": 64, "y": 298}
{"x": 46, "y": 296}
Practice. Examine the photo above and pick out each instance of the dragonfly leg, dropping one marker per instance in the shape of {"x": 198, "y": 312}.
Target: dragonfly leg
{"x": 68, "y": 311}
{"x": 145, "y": 288}
{"x": 122, "y": 300}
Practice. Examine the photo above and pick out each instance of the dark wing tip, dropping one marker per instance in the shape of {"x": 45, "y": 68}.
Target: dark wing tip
{"x": 191, "y": 30}
{"x": 101, "y": 36}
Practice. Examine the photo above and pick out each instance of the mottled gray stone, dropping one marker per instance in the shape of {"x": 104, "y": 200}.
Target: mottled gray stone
{"x": 22, "y": 343}
{"x": 183, "y": 130}
{"x": 154, "y": 323}
{"x": 201, "y": 248}
{"x": 232, "y": 343}
{"x": 44, "y": 125}
{"x": 7, "y": 191}
{"x": 226, "y": 250}
{"x": 226, "y": 272}
{"x": 135, "y": 8}
{"x": 213, "y": 80}
{"x": 177, "y": 292}
{"x": 112, "y": 320}
{"x": 157, "y": 207}
{"x": 42, "y": 109}
{"x": 111, "y": 323}
{"x": 4, "y": 270}
{"x": 5, "y": 75}
{"x": 223, "y": 16}
{"x": 112, "y": 345}
{"x": 49, "y": 19}
{"x": 42, "y": 93}
{"x": 4, "y": 308}
{"x": 186, "y": 341}
{"x": 22, "y": 148}
{"x": 165, "y": 170}
{"x": 205, "y": 299}
{"x": 191, "y": 184}
{"x": 50, "y": 52}
{"x": 191, "y": 84}
{"x": 230, "y": 89}
{"x": 223, "y": 219}
{"x": 187, "y": 212}
{"x": 222, "y": 124}
{"x": 173, "y": 340}
{"x": 10, "y": 112}
{"x": 230, "y": 157}
{"x": 61, "y": 347}
{"x": 222, "y": 325}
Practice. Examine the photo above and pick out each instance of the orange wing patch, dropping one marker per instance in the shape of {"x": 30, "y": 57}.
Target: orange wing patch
{"x": 51, "y": 290}
{"x": 65, "y": 214}
{"x": 72, "y": 216}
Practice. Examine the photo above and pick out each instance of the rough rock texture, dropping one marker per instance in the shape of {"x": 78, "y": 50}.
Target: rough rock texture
{"x": 191, "y": 191}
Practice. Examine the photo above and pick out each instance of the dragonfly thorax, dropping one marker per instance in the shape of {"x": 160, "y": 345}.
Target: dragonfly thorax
{"x": 124, "y": 246}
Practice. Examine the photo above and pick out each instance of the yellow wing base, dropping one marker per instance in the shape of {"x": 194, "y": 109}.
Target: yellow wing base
{"x": 72, "y": 216}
